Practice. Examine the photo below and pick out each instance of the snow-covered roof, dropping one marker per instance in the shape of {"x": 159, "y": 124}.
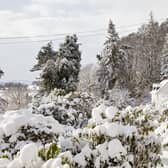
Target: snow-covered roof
{"x": 162, "y": 83}
{"x": 160, "y": 86}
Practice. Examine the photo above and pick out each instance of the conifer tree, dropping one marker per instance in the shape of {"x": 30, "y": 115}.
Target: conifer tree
{"x": 49, "y": 76}
{"x": 68, "y": 63}
{"x": 164, "y": 60}
{"x": 60, "y": 69}
{"x": 112, "y": 71}
{"x": 46, "y": 53}
{"x": 151, "y": 51}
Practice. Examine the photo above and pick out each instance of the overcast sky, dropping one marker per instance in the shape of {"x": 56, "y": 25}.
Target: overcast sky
{"x": 36, "y": 17}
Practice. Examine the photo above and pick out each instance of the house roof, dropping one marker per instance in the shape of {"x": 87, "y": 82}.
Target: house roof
{"x": 162, "y": 85}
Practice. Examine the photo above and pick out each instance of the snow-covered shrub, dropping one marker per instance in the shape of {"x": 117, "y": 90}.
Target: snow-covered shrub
{"x": 112, "y": 138}
{"x": 123, "y": 139}
{"x": 18, "y": 128}
{"x": 27, "y": 157}
{"x": 73, "y": 109}
{"x": 162, "y": 131}
{"x": 145, "y": 145}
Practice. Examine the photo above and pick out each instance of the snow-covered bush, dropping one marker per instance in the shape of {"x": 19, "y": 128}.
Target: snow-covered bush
{"x": 115, "y": 138}
{"x": 111, "y": 138}
{"x": 129, "y": 134}
{"x": 72, "y": 109}
{"x": 18, "y": 128}
{"x": 145, "y": 145}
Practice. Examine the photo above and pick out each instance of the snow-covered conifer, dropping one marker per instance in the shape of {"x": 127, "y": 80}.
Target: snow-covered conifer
{"x": 49, "y": 76}
{"x": 111, "y": 72}
{"x": 68, "y": 63}
{"x": 59, "y": 69}
{"x": 164, "y": 60}
{"x": 46, "y": 53}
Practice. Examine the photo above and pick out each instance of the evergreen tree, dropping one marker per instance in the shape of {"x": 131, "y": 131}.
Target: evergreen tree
{"x": 145, "y": 55}
{"x": 151, "y": 50}
{"x": 62, "y": 71}
{"x": 68, "y": 63}
{"x": 111, "y": 72}
{"x": 164, "y": 60}
{"x": 49, "y": 76}
{"x": 46, "y": 53}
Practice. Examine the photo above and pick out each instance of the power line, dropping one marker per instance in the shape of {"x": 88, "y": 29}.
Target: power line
{"x": 95, "y": 32}
{"x": 58, "y": 39}
{"x": 63, "y": 34}
{"x": 49, "y": 35}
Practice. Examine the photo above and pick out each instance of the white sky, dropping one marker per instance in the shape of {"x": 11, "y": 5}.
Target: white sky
{"x": 36, "y": 17}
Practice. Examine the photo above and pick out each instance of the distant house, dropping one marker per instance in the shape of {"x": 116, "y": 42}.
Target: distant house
{"x": 160, "y": 93}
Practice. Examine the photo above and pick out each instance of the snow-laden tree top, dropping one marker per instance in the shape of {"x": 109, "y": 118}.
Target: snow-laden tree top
{"x": 59, "y": 69}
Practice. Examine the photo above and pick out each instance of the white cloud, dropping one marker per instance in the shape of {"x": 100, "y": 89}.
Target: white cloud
{"x": 57, "y": 16}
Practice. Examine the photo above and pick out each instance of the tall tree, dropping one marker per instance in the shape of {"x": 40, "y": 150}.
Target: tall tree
{"x": 145, "y": 54}
{"x": 152, "y": 50}
{"x": 68, "y": 63}
{"x": 62, "y": 71}
{"x": 46, "y": 53}
{"x": 164, "y": 60}
{"x": 112, "y": 70}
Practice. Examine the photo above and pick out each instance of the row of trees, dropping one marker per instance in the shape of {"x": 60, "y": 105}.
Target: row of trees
{"x": 133, "y": 62}
{"x": 145, "y": 57}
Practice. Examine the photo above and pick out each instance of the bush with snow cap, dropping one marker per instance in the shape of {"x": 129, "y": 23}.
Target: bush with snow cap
{"x": 32, "y": 128}
{"x": 73, "y": 109}
{"x": 145, "y": 144}
{"x": 132, "y": 128}
{"x": 112, "y": 138}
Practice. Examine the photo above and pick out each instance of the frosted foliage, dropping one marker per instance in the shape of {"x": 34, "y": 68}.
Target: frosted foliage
{"x": 132, "y": 137}
{"x": 73, "y": 109}
{"x": 20, "y": 127}
{"x": 46, "y": 53}
{"x": 112, "y": 71}
{"x": 62, "y": 71}
{"x": 68, "y": 63}
{"x": 164, "y": 60}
